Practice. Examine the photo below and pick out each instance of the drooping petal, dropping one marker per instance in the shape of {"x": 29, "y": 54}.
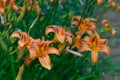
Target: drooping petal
{"x": 15, "y": 34}
{"x": 45, "y": 61}
{"x": 53, "y": 50}
{"x": 94, "y": 57}
{"x": 105, "y": 48}
{"x": 48, "y": 30}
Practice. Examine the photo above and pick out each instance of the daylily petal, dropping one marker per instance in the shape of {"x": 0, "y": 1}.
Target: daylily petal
{"x": 69, "y": 39}
{"x": 32, "y": 53}
{"x": 23, "y": 37}
{"x": 61, "y": 38}
{"x": 105, "y": 48}
{"x": 15, "y": 34}
{"x": 45, "y": 61}
{"x": 84, "y": 47}
{"x": 87, "y": 39}
{"x": 74, "y": 23}
{"x": 92, "y": 25}
{"x": 53, "y": 50}
{"x": 76, "y": 17}
{"x": 103, "y": 41}
{"x": 21, "y": 43}
{"x": 89, "y": 32}
{"x": 48, "y": 30}
{"x": 28, "y": 60}
{"x": 94, "y": 57}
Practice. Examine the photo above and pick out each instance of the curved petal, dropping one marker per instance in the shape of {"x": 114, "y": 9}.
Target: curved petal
{"x": 53, "y": 50}
{"x": 94, "y": 57}
{"x": 48, "y": 30}
{"x": 105, "y": 48}
{"x": 74, "y": 23}
{"x": 45, "y": 61}
{"x": 76, "y": 17}
{"x": 15, "y": 34}
{"x": 21, "y": 43}
{"x": 32, "y": 53}
{"x": 69, "y": 39}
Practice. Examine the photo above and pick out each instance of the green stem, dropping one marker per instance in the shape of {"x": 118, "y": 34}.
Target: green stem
{"x": 12, "y": 66}
{"x": 34, "y": 22}
{"x": 14, "y": 51}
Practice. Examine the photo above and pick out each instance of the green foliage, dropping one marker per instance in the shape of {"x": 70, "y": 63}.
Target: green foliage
{"x": 64, "y": 67}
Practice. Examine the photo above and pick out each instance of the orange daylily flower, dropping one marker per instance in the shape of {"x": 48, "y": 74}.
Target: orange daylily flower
{"x": 59, "y": 33}
{"x": 95, "y": 45}
{"x": 85, "y": 26}
{"x": 23, "y": 38}
{"x": 108, "y": 27}
{"x": 69, "y": 37}
{"x": 68, "y": 42}
{"x": 41, "y": 50}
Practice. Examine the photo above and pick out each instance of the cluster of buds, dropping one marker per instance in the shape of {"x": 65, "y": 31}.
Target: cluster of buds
{"x": 108, "y": 27}
{"x": 9, "y": 3}
{"x": 32, "y": 5}
{"x": 114, "y": 4}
